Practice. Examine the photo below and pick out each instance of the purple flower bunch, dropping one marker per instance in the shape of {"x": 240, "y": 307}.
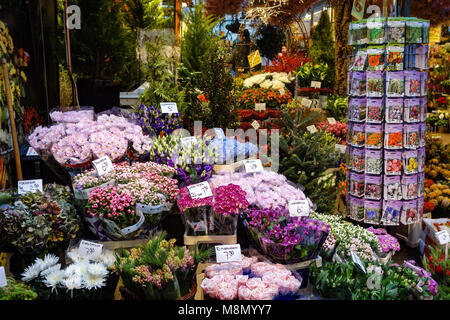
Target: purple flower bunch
{"x": 260, "y": 219}
{"x": 430, "y": 284}
{"x": 387, "y": 242}
{"x": 153, "y": 121}
{"x": 229, "y": 200}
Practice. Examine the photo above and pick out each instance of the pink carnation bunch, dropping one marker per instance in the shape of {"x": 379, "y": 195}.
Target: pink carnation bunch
{"x": 229, "y": 200}
{"x": 186, "y": 202}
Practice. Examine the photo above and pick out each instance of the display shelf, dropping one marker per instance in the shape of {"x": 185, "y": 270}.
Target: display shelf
{"x": 232, "y": 167}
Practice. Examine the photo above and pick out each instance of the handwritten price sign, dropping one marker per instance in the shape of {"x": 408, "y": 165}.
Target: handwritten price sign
{"x": 443, "y": 237}
{"x": 228, "y": 253}
{"x": 299, "y": 208}
{"x": 253, "y": 165}
{"x": 103, "y": 165}
{"x": 90, "y": 250}
{"x": 200, "y": 190}
{"x": 26, "y": 186}
{"x": 260, "y": 106}
{"x": 169, "y": 107}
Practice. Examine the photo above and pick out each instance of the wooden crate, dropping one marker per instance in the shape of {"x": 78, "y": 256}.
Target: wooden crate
{"x": 126, "y": 244}
{"x": 233, "y": 167}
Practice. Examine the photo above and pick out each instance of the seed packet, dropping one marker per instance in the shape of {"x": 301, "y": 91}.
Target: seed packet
{"x": 423, "y": 83}
{"x": 394, "y": 110}
{"x": 358, "y": 159}
{"x": 395, "y": 57}
{"x": 421, "y": 156}
{"x": 411, "y": 108}
{"x": 410, "y": 162}
{"x": 357, "y": 84}
{"x": 411, "y": 135}
{"x": 409, "y": 187}
{"x": 396, "y": 28}
{"x": 372, "y": 187}
{"x": 357, "y": 32}
{"x": 392, "y": 188}
{"x": 374, "y": 110}
{"x": 372, "y": 211}
{"x": 423, "y": 109}
{"x": 425, "y": 31}
{"x": 412, "y": 83}
{"x": 392, "y": 162}
{"x": 374, "y": 136}
{"x": 409, "y": 212}
{"x": 416, "y": 57}
{"x": 375, "y": 84}
{"x": 420, "y": 209}
{"x": 359, "y": 61}
{"x": 422, "y": 134}
{"x": 356, "y": 209}
{"x": 421, "y": 184}
{"x": 351, "y": 34}
{"x": 393, "y": 136}
{"x": 357, "y": 109}
{"x": 357, "y": 184}
{"x": 413, "y": 30}
{"x": 374, "y": 162}
{"x": 375, "y": 58}
{"x": 376, "y": 31}
{"x": 391, "y": 212}
{"x": 358, "y": 135}
{"x": 395, "y": 84}
{"x": 349, "y": 135}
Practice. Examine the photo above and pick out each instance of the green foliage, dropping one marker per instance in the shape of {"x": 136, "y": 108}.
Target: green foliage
{"x": 305, "y": 156}
{"x": 439, "y": 267}
{"x": 337, "y": 108}
{"x": 270, "y": 39}
{"x": 314, "y": 72}
{"x": 146, "y": 14}
{"x": 16, "y": 291}
{"x": 322, "y": 48}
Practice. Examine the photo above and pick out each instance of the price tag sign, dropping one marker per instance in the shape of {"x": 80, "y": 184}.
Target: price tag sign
{"x": 306, "y": 102}
{"x": 3, "y": 281}
{"x": 260, "y": 106}
{"x": 228, "y": 253}
{"x": 31, "y": 152}
{"x": 357, "y": 261}
{"x": 200, "y": 190}
{"x": 311, "y": 129}
{"x": 90, "y": 250}
{"x": 253, "y": 165}
{"x": 169, "y": 107}
{"x": 254, "y": 59}
{"x": 443, "y": 237}
{"x": 341, "y": 148}
{"x": 103, "y": 165}
{"x": 282, "y": 92}
{"x": 26, "y": 186}
{"x": 188, "y": 140}
{"x": 255, "y": 125}
{"x": 316, "y": 84}
{"x": 331, "y": 120}
{"x": 299, "y": 208}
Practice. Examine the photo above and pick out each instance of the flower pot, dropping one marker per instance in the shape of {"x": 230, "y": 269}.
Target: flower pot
{"x": 196, "y": 220}
{"x": 442, "y": 129}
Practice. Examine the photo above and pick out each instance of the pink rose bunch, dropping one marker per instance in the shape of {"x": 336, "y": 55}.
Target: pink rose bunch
{"x": 110, "y": 203}
{"x": 229, "y": 200}
{"x": 339, "y": 129}
{"x": 266, "y": 282}
{"x": 264, "y": 190}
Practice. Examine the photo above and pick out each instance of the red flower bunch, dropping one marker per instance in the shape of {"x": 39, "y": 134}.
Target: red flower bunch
{"x": 442, "y": 101}
{"x": 339, "y": 129}
{"x": 434, "y": 261}
{"x": 288, "y": 61}
{"x": 428, "y": 183}
{"x": 202, "y": 98}
{"x": 428, "y": 206}
{"x": 31, "y": 119}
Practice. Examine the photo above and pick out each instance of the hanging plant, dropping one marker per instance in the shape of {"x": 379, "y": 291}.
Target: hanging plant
{"x": 270, "y": 39}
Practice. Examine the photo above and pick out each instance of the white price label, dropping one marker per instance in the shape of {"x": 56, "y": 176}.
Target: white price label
{"x": 299, "y": 208}
{"x": 90, "y": 250}
{"x": 331, "y": 120}
{"x": 341, "y": 148}
{"x": 228, "y": 253}
{"x": 316, "y": 84}
{"x": 311, "y": 129}
{"x": 443, "y": 237}
{"x": 3, "y": 281}
{"x": 253, "y": 165}
{"x": 260, "y": 106}
{"x": 200, "y": 190}
{"x": 255, "y": 125}
{"x": 357, "y": 261}
{"x": 282, "y": 92}
{"x": 26, "y": 186}
{"x": 188, "y": 140}
{"x": 31, "y": 152}
{"x": 103, "y": 165}
{"x": 306, "y": 102}
{"x": 169, "y": 107}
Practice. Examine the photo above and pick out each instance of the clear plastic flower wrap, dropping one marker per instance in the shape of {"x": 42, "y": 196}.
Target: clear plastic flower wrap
{"x": 372, "y": 211}
{"x": 375, "y": 112}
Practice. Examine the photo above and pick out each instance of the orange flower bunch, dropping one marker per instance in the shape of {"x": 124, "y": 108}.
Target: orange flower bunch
{"x": 271, "y": 97}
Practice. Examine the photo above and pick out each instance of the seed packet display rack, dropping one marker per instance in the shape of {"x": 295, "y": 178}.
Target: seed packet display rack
{"x": 387, "y": 88}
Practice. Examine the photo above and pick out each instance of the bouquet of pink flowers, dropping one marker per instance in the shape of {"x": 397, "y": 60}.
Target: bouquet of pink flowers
{"x": 338, "y": 129}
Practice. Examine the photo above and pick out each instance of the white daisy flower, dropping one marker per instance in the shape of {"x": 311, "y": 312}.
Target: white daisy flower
{"x": 91, "y": 281}
{"x": 97, "y": 269}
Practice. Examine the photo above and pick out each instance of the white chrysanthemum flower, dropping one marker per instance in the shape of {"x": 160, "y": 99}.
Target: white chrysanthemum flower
{"x": 32, "y": 272}
{"x": 107, "y": 258}
{"x": 97, "y": 269}
{"x": 277, "y": 84}
{"x": 92, "y": 281}
{"x": 52, "y": 279}
{"x": 72, "y": 282}
{"x": 83, "y": 266}
{"x": 266, "y": 84}
{"x": 56, "y": 267}
{"x": 249, "y": 82}
{"x": 259, "y": 78}
{"x": 49, "y": 261}
{"x": 75, "y": 257}
{"x": 72, "y": 270}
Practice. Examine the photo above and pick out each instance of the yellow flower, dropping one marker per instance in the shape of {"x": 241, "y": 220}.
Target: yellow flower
{"x": 23, "y": 75}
